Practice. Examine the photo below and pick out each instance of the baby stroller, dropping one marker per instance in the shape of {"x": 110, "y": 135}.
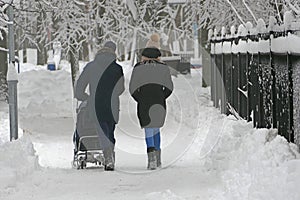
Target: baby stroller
{"x": 86, "y": 141}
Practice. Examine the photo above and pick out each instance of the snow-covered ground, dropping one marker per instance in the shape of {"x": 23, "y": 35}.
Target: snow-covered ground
{"x": 205, "y": 155}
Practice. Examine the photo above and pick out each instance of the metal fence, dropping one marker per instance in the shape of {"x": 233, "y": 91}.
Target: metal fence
{"x": 261, "y": 86}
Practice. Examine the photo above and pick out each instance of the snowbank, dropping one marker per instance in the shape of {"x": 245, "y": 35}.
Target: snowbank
{"x": 43, "y": 92}
{"x": 17, "y": 159}
{"x": 4, "y": 130}
{"x": 25, "y": 67}
{"x": 254, "y": 163}
{"x": 4, "y": 125}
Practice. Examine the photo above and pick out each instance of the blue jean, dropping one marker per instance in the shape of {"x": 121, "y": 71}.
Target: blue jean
{"x": 153, "y": 137}
{"x": 107, "y": 135}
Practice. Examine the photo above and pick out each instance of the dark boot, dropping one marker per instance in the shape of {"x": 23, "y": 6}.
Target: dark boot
{"x": 109, "y": 160}
{"x": 152, "y": 163}
{"x": 158, "y": 158}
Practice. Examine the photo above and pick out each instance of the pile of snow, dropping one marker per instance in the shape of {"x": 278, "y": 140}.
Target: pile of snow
{"x": 43, "y": 92}
{"x": 4, "y": 128}
{"x": 254, "y": 163}
{"x": 25, "y": 67}
{"x": 4, "y": 125}
{"x": 17, "y": 159}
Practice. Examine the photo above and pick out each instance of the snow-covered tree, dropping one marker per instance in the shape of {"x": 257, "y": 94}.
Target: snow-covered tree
{"x": 3, "y": 49}
{"x": 33, "y": 20}
{"x": 3, "y": 18}
{"x": 83, "y": 25}
{"x": 218, "y": 13}
{"x": 70, "y": 29}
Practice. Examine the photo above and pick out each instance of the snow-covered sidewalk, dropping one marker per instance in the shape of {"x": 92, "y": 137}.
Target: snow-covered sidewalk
{"x": 206, "y": 155}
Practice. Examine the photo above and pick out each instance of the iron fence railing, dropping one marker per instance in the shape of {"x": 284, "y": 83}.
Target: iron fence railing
{"x": 259, "y": 80}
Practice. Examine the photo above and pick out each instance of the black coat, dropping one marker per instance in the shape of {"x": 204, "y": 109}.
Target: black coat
{"x": 106, "y": 83}
{"x": 110, "y": 87}
{"x": 150, "y": 85}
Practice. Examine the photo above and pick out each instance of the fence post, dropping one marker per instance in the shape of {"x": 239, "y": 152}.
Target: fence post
{"x": 291, "y": 97}
{"x": 223, "y": 85}
{"x": 212, "y": 89}
{"x": 260, "y": 95}
{"x": 248, "y": 114}
{"x": 217, "y": 80}
{"x": 238, "y": 108}
{"x": 231, "y": 79}
{"x": 274, "y": 95}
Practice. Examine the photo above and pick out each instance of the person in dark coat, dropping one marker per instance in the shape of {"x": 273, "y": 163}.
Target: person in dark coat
{"x": 106, "y": 83}
{"x": 150, "y": 85}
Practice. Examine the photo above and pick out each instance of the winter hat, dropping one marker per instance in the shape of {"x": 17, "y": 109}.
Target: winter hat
{"x": 151, "y": 52}
{"x": 111, "y": 45}
{"x": 154, "y": 41}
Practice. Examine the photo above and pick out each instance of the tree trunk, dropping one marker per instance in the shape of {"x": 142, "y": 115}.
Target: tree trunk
{"x": 133, "y": 47}
{"x": 3, "y": 67}
{"x": 42, "y": 54}
{"x": 74, "y": 60}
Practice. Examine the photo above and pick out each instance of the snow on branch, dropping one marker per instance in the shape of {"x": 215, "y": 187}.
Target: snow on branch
{"x": 294, "y": 8}
{"x": 80, "y": 3}
{"x": 3, "y": 49}
{"x": 278, "y": 11}
{"x": 3, "y": 6}
{"x": 250, "y": 11}
{"x": 132, "y": 8}
{"x": 9, "y": 2}
{"x": 235, "y": 11}
{"x": 5, "y": 21}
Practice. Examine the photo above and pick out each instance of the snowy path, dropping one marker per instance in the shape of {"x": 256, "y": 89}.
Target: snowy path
{"x": 205, "y": 155}
{"x": 182, "y": 176}
{"x": 172, "y": 183}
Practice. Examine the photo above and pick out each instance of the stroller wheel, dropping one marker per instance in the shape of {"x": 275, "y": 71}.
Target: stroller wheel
{"x": 82, "y": 164}
{"x": 74, "y": 164}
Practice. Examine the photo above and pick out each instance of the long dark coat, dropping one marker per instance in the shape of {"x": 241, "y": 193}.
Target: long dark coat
{"x": 150, "y": 85}
{"x": 106, "y": 83}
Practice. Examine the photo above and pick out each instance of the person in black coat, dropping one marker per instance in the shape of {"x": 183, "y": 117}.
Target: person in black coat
{"x": 106, "y": 83}
{"x": 150, "y": 85}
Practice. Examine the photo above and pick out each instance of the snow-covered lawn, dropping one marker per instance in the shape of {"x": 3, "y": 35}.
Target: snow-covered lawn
{"x": 205, "y": 155}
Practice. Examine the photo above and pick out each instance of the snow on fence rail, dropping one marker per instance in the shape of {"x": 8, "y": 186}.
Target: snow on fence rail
{"x": 256, "y": 71}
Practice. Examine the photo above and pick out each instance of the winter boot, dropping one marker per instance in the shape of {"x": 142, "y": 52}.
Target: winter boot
{"x": 158, "y": 158}
{"x": 109, "y": 161}
{"x": 152, "y": 162}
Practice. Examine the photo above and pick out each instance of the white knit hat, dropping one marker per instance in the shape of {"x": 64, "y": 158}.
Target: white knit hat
{"x": 154, "y": 41}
